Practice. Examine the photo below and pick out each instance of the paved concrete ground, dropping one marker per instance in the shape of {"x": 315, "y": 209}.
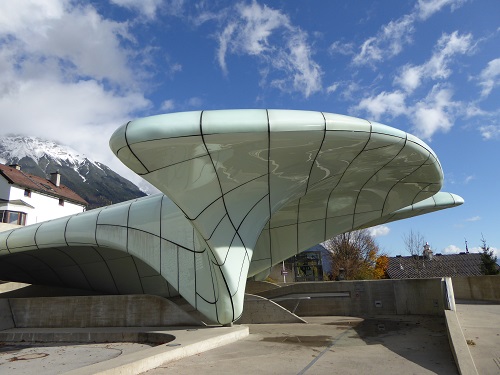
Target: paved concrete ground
{"x": 480, "y": 324}
{"x": 171, "y": 343}
{"x": 48, "y": 359}
{"x": 330, "y": 345}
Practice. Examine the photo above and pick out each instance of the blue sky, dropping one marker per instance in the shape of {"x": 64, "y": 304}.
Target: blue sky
{"x": 73, "y": 71}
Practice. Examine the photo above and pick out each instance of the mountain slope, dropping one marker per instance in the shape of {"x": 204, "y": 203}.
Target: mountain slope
{"x": 93, "y": 181}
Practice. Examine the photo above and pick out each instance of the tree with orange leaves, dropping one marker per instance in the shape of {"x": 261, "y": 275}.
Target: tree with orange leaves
{"x": 356, "y": 256}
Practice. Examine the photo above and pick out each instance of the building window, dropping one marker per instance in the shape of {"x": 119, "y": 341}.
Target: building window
{"x": 13, "y": 217}
{"x": 27, "y": 193}
{"x": 61, "y": 202}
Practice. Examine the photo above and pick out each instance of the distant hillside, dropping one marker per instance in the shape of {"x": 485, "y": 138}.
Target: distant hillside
{"x": 93, "y": 181}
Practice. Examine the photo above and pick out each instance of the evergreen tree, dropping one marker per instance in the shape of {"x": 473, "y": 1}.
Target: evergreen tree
{"x": 488, "y": 260}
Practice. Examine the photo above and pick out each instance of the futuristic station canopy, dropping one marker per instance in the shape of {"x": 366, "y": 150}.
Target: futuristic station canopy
{"x": 242, "y": 191}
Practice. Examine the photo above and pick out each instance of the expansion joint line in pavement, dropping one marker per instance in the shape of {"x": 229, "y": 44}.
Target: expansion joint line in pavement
{"x": 304, "y": 370}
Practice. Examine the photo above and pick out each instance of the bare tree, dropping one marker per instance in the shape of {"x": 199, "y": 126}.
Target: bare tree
{"x": 355, "y": 252}
{"x": 414, "y": 243}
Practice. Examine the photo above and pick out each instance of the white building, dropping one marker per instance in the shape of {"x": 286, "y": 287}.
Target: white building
{"x": 27, "y": 199}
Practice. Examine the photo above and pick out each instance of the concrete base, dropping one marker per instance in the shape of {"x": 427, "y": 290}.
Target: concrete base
{"x": 93, "y": 311}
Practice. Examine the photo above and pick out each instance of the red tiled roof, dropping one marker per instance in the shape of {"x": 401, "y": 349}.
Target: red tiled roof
{"x": 466, "y": 264}
{"x": 39, "y": 184}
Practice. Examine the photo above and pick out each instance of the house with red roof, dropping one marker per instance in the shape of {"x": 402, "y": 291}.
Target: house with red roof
{"x": 28, "y": 199}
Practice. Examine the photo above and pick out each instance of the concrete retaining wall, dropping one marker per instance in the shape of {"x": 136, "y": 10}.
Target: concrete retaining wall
{"x": 483, "y": 288}
{"x": 360, "y": 298}
{"x": 261, "y": 310}
{"x": 93, "y": 311}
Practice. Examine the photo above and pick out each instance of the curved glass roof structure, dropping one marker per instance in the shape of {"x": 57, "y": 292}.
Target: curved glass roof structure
{"x": 242, "y": 191}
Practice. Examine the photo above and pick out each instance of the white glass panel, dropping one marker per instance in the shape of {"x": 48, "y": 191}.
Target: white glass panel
{"x": 342, "y": 203}
{"x": 82, "y": 254}
{"x": 23, "y": 239}
{"x": 192, "y": 185}
{"x": 204, "y": 281}
{"x": 382, "y": 140}
{"x": 160, "y": 153}
{"x": 240, "y": 201}
{"x": 174, "y": 225}
{"x": 337, "y": 225}
{"x": 286, "y": 215}
{"x": 283, "y": 242}
{"x": 118, "y": 139}
{"x": 99, "y": 277}
{"x": 145, "y": 270}
{"x": 51, "y": 233}
{"x": 114, "y": 214}
{"x": 145, "y": 214}
{"x": 234, "y": 121}
{"x": 443, "y": 199}
{"x": 73, "y": 275}
{"x": 210, "y": 218}
{"x": 208, "y": 309}
{"x": 412, "y": 154}
{"x": 262, "y": 248}
{"x": 131, "y": 161}
{"x": 427, "y": 173}
{"x": 258, "y": 266}
{"x": 313, "y": 205}
{"x": 186, "y": 275}
{"x": 384, "y": 129}
{"x": 253, "y": 224}
{"x": 239, "y": 157}
{"x": 81, "y": 228}
{"x": 221, "y": 239}
{"x": 401, "y": 195}
{"x": 170, "y": 125}
{"x": 236, "y": 266}
{"x": 418, "y": 141}
{"x": 290, "y": 120}
{"x": 311, "y": 234}
{"x": 155, "y": 285}
{"x": 145, "y": 246}
{"x": 364, "y": 218}
{"x": 125, "y": 275}
{"x": 112, "y": 236}
{"x": 341, "y": 122}
{"x": 169, "y": 263}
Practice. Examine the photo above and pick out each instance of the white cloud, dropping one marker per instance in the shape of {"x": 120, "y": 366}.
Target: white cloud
{"x": 435, "y": 113}
{"x": 249, "y": 32}
{"x": 409, "y": 78}
{"x": 392, "y": 37}
{"x": 150, "y": 8}
{"x": 490, "y": 77}
{"x": 332, "y": 88}
{"x": 345, "y": 49}
{"x": 452, "y": 249}
{"x": 168, "y": 105}
{"x": 379, "y": 230}
{"x": 437, "y": 67}
{"x": 474, "y": 218}
{"x": 427, "y": 8}
{"x": 47, "y": 38}
{"x": 469, "y": 179}
{"x": 195, "y": 102}
{"x": 490, "y": 132}
{"x": 76, "y": 93}
{"x": 392, "y": 103}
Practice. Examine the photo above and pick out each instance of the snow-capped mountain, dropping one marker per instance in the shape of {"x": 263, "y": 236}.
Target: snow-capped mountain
{"x": 93, "y": 181}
